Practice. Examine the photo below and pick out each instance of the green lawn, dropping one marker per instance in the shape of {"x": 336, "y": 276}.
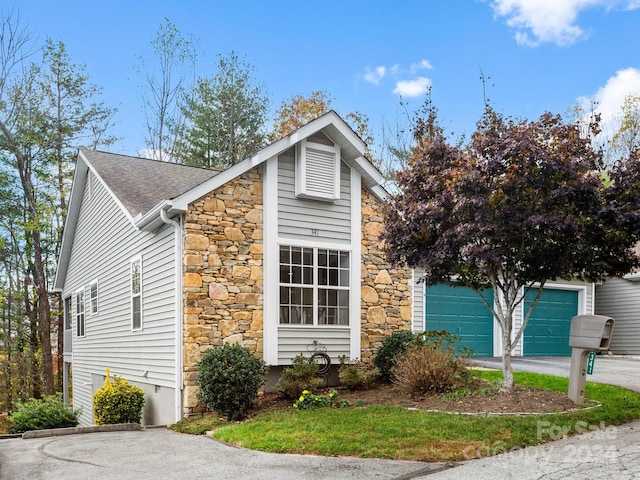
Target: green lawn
{"x": 398, "y": 433}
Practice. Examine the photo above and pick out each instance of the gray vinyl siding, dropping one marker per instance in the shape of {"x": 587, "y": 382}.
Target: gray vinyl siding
{"x": 298, "y": 217}
{"x": 294, "y": 341}
{"x": 620, "y": 299}
{"x": 104, "y": 243}
{"x": 331, "y": 221}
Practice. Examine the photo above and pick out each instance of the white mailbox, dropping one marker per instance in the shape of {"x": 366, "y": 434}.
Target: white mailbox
{"x": 591, "y": 332}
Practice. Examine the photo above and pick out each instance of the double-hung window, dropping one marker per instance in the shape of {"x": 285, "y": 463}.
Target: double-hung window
{"x": 314, "y": 286}
{"x": 93, "y": 297}
{"x": 136, "y": 293}
{"x": 80, "y": 313}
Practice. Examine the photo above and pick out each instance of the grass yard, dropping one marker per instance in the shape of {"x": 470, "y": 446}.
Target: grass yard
{"x": 395, "y": 432}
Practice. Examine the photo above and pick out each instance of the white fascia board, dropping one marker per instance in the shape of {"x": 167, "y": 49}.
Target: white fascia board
{"x": 271, "y": 283}
{"x": 355, "y": 301}
{"x": 109, "y": 191}
{"x": 632, "y": 277}
{"x": 149, "y": 220}
{"x": 351, "y": 136}
{"x": 69, "y": 229}
{"x": 182, "y": 202}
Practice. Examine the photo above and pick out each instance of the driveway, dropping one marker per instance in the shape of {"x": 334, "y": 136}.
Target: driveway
{"x": 612, "y": 452}
{"x": 160, "y": 454}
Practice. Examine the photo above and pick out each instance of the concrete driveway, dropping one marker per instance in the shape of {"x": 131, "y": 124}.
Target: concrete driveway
{"x": 612, "y": 452}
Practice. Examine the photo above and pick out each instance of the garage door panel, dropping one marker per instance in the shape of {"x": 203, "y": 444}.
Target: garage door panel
{"x": 547, "y": 332}
{"x": 459, "y": 311}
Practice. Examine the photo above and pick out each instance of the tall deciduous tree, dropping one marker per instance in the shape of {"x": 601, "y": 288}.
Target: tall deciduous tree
{"x": 627, "y": 137}
{"x": 298, "y": 111}
{"x": 166, "y": 76}
{"x": 522, "y": 204}
{"x": 225, "y": 117}
{"x": 46, "y": 110}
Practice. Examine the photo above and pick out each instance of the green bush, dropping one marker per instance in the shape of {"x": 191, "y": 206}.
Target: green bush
{"x": 300, "y": 376}
{"x": 229, "y": 380}
{"x": 48, "y": 412}
{"x": 355, "y": 375}
{"x": 393, "y": 347}
{"x": 117, "y": 402}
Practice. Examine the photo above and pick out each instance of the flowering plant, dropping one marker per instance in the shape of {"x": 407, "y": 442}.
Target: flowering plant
{"x": 309, "y": 400}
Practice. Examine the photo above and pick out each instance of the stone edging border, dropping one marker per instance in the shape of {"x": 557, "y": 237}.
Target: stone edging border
{"x": 56, "y": 432}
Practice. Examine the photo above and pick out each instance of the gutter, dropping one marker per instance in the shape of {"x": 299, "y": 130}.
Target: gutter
{"x": 177, "y": 227}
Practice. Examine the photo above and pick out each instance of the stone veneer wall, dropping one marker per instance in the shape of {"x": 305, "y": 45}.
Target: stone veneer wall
{"x": 385, "y": 290}
{"x": 223, "y": 284}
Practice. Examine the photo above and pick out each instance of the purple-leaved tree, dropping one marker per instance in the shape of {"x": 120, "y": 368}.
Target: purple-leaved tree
{"x": 523, "y": 203}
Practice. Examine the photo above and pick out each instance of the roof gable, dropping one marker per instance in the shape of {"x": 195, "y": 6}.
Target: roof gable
{"x": 145, "y": 188}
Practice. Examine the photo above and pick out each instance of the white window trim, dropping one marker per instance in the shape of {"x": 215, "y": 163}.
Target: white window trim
{"x": 135, "y": 259}
{"x": 76, "y": 316}
{"x": 91, "y": 302}
{"x": 67, "y": 305}
{"x": 316, "y": 287}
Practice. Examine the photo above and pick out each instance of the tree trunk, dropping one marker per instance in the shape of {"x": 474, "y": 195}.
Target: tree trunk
{"x": 34, "y": 346}
{"x": 44, "y": 308}
{"x": 507, "y": 370}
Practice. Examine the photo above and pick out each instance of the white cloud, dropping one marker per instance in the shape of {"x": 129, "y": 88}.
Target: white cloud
{"x": 554, "y": 21}
{"x": 374, "y": 76}
{"x": 423, "y": 65}
{"x": 608, "y": 99}
{"x": 412, "y": 88}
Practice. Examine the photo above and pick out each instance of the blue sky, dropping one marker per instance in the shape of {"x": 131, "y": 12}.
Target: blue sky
{"x": 538, "y": 55}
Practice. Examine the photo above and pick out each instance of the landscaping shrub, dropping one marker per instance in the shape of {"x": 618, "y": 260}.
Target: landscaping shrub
{"x": 117, "y": 402}
{"x": 300, "y": 376}
{"x": 48, "y": 412}
{"x": 230, "y": 378}
{"x": 393, "y": 347}
{"x": 425, "y": 369}
{"x": 355, "y": 375}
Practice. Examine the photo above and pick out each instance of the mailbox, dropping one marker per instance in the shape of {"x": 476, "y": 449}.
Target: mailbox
{"x": 588, "y": 333}
{"x": 591, "y": 332}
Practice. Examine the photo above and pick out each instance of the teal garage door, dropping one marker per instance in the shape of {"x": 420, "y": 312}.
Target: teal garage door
{"x": 459, "y": 311}
{"x": 547, "y": 333}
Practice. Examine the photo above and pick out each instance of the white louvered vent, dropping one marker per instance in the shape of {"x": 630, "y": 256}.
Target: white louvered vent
{"x": 318, "y": 171}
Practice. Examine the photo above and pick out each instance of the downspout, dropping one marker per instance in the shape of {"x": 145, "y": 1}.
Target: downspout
{"x": 177, "y": 228}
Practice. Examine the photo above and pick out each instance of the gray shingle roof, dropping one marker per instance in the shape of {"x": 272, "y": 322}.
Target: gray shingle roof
{"x": 141, "y": 184}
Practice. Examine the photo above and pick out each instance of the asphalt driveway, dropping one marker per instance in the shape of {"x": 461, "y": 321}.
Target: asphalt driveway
{"x": 609, "y": 452}
{"x": 160, "y": 454}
